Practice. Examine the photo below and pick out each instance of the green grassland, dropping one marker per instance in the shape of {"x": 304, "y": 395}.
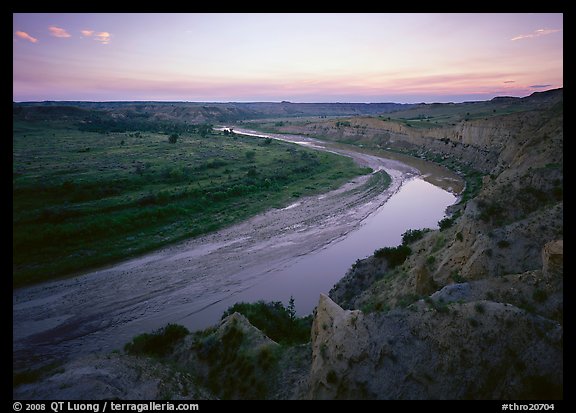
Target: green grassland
{"x": 448, "y": 114}
{"x": 84, "y": 199}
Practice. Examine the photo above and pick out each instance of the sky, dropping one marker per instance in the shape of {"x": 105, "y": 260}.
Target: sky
{"x": 332, "y": 57}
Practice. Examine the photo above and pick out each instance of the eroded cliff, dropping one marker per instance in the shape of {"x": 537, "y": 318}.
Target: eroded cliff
{"x": 476, "y": 311}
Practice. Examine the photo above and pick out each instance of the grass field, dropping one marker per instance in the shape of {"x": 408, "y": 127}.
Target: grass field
{"x": 84, "y": 199}
{"x": 449, "y": 114}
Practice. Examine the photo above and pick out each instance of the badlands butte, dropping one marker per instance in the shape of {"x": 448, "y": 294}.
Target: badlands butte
{"x": 475, "y": 311}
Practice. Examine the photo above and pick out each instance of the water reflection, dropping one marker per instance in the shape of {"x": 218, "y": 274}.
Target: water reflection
{"x": 417, "y": 204}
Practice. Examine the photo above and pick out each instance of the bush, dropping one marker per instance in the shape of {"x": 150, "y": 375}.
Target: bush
{"x": 206, "y": 129}
{"x": 445, "y": 223}
{"x": 157, "y": 344}
{"x": 479, "y": 307}
{"x": 343, "y": 123}
{"x": 252, "y": 172}
{"x": 407, "y": 299}
{"x": 457, "y": 277}
{"x": 540, "y": 296}
{"x": 503, "y": 243}
{"x": 413, "y": 235}
{"x": 173, "y": 138}
{"x": 332, "y": 377}
{"x": 394, "y": 255}
{"x": 492, "y": 213}
{"x": 276, "y": 321}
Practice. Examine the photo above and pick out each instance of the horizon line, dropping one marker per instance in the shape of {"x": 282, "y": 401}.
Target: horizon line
{"x": 276, "y": 102}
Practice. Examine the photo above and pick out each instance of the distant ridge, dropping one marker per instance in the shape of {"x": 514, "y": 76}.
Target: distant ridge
{"x": 219, "y": 112}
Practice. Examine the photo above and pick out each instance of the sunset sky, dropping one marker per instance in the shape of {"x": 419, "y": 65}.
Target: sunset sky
{"x": 403, "y": 58}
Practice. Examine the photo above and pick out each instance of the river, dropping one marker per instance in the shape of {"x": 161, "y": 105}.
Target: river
{"x": 298, "y": 251}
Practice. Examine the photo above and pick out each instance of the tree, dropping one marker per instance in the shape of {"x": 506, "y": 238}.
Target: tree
{"x": 173, "y": 138}
{"x": 204, "y": 129}
{"x": 291, "y": 308}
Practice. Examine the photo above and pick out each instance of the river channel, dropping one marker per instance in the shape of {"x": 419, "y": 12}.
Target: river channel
{"x": 297, "y": 251}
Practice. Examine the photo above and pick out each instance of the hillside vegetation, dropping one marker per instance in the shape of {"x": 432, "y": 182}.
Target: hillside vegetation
{"x": 184, "y": 115}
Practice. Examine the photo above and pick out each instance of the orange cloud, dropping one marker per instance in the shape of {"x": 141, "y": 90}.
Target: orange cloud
{"x": 87, "y": 33}
{"x": 103, "y": 37}
{"x": 26, "y": 36}
{"x": 535, "y": 33}
{"x": 58, "y": 32}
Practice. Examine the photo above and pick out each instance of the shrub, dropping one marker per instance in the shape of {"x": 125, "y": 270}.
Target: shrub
{"x": 479, "y": 307}
{"x": 540, "y": 296}
{"x": 332, "y": 377}
{"x": 173, "y": 138}
{"x": 252, "y": 171}
{"x": 159, "y": 343}
{"x": 205, "y": 129}
{"x": 492, "y": 213}
{"x": 457, "y": 277}
{"x": 276, "y": 321}
{"x": 372, "y": 307}
{"x": 394, "y": 255}
{"x": 439, "y": 243}
{"x": 440, "y": 305}
{"x": 407, "y": 299}
{"x": 503, "y": 243}
{"x": 413, "y": 235}
{"x": 445, "y": 223}
{"x": 215, "y": 164}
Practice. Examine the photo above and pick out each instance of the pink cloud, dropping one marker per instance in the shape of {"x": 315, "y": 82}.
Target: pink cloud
{"x": 103, "y": 37}
{"x": 26, "y": 36}
{"x": 58, "y": 32}
{"x": 87, "y": 33}
{"x": 535, "y": 33}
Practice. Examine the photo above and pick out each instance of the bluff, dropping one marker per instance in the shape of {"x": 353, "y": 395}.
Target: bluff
{"x": 476, "y": 311}
{"x": 485, "y": 140}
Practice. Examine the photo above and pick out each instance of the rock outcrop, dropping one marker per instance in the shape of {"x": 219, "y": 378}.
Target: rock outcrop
{"x": 435, "y": 350}
{"x": 116, "y": 377}
{"x": 553, "y": 258}
{"x": 339, "y": 337}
